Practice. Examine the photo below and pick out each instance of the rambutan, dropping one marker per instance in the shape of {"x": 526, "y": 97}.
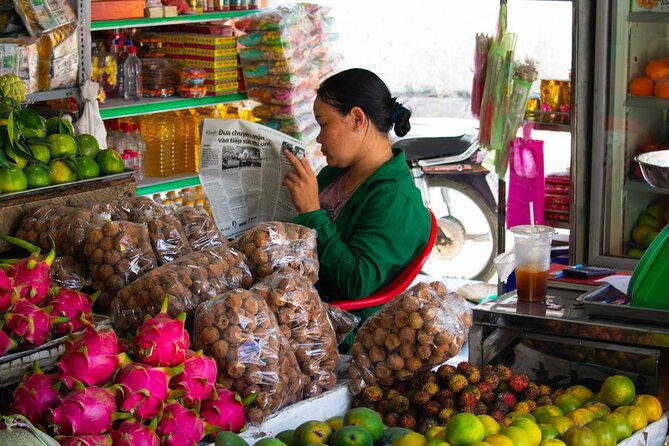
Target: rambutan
{"x": 464, "y": 366}
{"x": 466, "y": 400}
{"x": 446, "y": 372}
{"x": 473, "y": 375}
{"x": 391, "y": 419}
{"x": 518, "y": 382}
{"x": 480, "y": 409}
{"x": 407, "y": 421}
{"x": 531, "y": 392}
{"x": 503, "y": 372}
{"x": 506, "y": 398}
{"x": 457, "y": 383}
{"x": 431, "y": 409}
{"x": 420, "y": 398}
{"x": 432, "y": 388}
{"x": 498, "y": 415}
{"x": 445, "y": 414}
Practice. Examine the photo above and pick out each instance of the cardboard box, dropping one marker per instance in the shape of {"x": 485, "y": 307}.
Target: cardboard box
{"x": 214, "y": 64}
{"x": 117, "y": 9}
{"x": 210, "y": 53}
{"x": 211, "y": 41}
{"x": 221, "y": 75}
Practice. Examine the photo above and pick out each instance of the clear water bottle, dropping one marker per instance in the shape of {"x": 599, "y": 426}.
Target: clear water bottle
{"x": 140, "y": 147}
{"x": 125, "y": 140}
{"x": 132, "y": 76}
{"x": 113, "y": 134}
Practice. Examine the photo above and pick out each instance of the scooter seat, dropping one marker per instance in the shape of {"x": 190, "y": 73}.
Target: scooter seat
{"x": 438, "y": 147}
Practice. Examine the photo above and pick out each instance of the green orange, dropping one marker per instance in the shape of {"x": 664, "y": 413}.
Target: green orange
{"x": 605, "y": 434}
{"x": 598, "y": 409}
{"x": 583, "y": 394}
{"x": 61, "y": 145}
{"x": 621, "y": 427}
{"x": 87, "y": 145}
{"x": 561, "y": 423}
{"x": 110, "y": 162}
{"x": 552, "y": 442}
{"x": 498, "y": 440}
{"x": 61, "y": 172}
{"x": 635, "y": 415}
{"x": 581, "y": 416}
{"x": 12, "y": 179}
{"x": 311, "y": 432}
{"x": 410, "y": 439}
{"x": 567, "y": 402}
{"x": 543, "y": 413}
{"x": 517, "y": 435}
{"x": 617, "y": 390}
{"x": 37, "y": 176}
{"x": 351, "y": 436}
{"x": 548, "y": 431}
{"x": 367, "y": 419}
{"x": 650, "y": 405}
{"x": 490, "y": 425}
{"x": 530, "y": 428}
{"x": 87, "y": 167}
{"x": 464, "y": 428}
{"x": 579, "y": 436}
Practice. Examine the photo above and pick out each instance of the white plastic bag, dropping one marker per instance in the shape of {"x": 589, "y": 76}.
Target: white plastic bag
{"x": 91, "y": 121}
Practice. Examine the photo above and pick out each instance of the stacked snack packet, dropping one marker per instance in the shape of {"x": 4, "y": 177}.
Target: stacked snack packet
{"x": 285, "y": 53}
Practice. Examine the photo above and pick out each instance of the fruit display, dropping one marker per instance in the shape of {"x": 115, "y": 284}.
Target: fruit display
{"x": 151, "y": 390}
{"x": 416, "y": 331}
{"x": 32, "y": 313}
{"x": 649, "y": 223}
{"x": 200, "y": 228}
{"x": 653, "y": 82}
{"x": 37, "y": 152}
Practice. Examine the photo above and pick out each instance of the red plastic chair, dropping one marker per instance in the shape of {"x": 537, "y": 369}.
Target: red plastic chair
{"x": 400, "y": 283}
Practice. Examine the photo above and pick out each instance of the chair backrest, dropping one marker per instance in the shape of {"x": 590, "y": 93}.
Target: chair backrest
{"x": 400, "y": 283}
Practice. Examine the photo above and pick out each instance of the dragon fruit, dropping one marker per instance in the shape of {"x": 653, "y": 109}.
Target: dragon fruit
{"x": 29, "y": 324}
{"x": 85, "y": 440}
{"x": 143, "y": 388}
{"x": 180, "y": 426}
{"x": 197, "y": 379}
{"x": 6, "y": 343}
{"x": 162, "y": 341}
{"x": 37, "y": 393}
{"x": 73, "y": 305}
{"x": 31, "y": 274}
{"x": 5, "y": 291}
{"x": 224, "y": 409}
{"x": 83, "y": 411}
{"x": 91, "y": 358}
{"x": 133, "y": 433}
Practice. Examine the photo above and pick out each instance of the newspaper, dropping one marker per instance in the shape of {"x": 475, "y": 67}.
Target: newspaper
{"x": 242, "y": 168}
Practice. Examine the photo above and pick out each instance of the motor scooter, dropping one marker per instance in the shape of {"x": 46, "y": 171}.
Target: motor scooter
{"x": 462, "y": 195}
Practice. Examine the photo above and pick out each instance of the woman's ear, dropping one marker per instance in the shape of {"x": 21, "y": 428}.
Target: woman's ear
{"x": 358, "y": 118}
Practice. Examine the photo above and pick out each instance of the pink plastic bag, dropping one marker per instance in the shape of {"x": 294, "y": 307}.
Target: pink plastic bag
{"x": 526, "y": 180}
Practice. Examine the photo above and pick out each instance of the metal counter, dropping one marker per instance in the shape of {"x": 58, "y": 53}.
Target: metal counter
{"x": 559, "y": 343}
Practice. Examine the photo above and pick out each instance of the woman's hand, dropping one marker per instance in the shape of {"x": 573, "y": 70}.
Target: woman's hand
{"x": 302, "y": 184}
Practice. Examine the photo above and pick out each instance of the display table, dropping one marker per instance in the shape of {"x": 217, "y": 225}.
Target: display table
{"x": 558, "y": 343}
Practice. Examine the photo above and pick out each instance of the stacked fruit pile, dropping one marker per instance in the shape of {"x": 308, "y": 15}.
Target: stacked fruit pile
{"x": 432, "y": 398}
{"x": 649, "y": 223}
{"x": 31, "y": 312}
{"x": 37, "y": 152}
{"x": 152, "y": 390}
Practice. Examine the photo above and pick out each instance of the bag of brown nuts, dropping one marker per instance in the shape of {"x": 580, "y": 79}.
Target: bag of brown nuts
{"x": 167, "y": 236}
{"x": 200, "y": 228}
{"x": 270, "y": 246}
{"x": 342, "y": 321}
{"x": 117, "y": 252}
{"x": 68, "y": 273}
{"x": 128, "y": 209}
{"x": 302, "y": 318}
{"x": 187, "y": 282}
{"x": 62, "y": 227}
{"x": 253, "y": 356}
{"x": 415, "y": 331}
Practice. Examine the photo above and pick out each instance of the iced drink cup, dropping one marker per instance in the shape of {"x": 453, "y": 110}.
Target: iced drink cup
{"x": 532, "y": 249}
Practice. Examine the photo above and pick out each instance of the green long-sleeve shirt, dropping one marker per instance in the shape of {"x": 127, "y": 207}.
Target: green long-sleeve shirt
{"x": 379, "y": 230}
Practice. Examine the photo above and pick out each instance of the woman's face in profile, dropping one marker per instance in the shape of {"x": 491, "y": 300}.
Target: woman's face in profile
{"x": 336, "y": 134}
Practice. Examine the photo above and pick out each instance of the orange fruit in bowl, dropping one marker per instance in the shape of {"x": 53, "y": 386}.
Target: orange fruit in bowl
{"x": 657, "y": 69}
{"x": 641, "y": 86}
{"x": 650, "y": 405}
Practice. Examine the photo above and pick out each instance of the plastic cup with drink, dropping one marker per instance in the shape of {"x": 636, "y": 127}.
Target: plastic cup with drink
{"x": 532, "y": 251}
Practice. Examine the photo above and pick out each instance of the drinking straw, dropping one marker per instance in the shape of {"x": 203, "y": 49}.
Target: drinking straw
{"x": 532, "y": 216}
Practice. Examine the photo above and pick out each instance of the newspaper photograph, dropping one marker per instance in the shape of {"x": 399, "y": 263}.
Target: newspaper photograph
{"x": 241, "y": 169}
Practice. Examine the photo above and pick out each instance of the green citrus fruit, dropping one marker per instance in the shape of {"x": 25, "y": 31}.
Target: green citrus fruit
{"x": 543, "y": 413}
{"x": 490, "y": 425}
{"x": 548, "y": 431}
{"x": 16, "y": 157}
{"x": 498, "y": 440}
{"x": 410, "y": 439}
{"x": 583, "y": 394}
{"x": 391, "y": 434}
{"x": 552, "y": 442}
{"x": 439, "y": 442}
{"x": 227, "y": 438}
{"x": 579, "y": 436}
{"x": 530, "y": 428}
{"x": 464, "y": 428}
{"x": 617, "y": 390}
{"x": 286, "y": 436}
{"x": 335, "y": 423}
{"x": 12, "y": 179}
{"x": 650, "y": 405}
{"x": 61, "y": 173}
{"x": 620, "y": 425}
{"x": 479, "y": 443}
{"x": 605, "y": 434}
{"x": 351, "y": 436}
{"x": 61, "y": 145}
{"x": 517, "y": 435}
{"x": 567, "y": 402}
{"x": 561, "y": 423}
{"x": 581, "y": 416}
{"x": 87, "y": 166}
{"x": 37, "y": 176}
{"x": 110, "y": 162}
{"x": 516, "y": 414}
{"x": 367, "y": 419}
{"x": 52, "y": 126}
{"x": 311, "y": 432}
{"x": 269, "y": 441}
{"x": 635, "y": 415}
{"x": 597, "y": 408}
{"x": 40, "y": 152}
{"x": 87, "y": 145}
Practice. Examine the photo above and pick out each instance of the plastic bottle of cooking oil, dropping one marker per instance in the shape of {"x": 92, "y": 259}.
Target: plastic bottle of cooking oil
{"x": 166, "y": 125}
{"x": 177, "y": 203}
{"x": 152, "y": 141}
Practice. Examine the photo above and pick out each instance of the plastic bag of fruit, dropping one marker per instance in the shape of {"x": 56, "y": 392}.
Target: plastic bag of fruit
{"x": 253, "y": 355}
{"x": 168, "y": 237}
{"x": 415, "y": 331}
{"x": 188, "y": 281}
{"x": 200, "y": 228}
{"x": 342, "y": 321}
{"x": 302, "y": 318}
{"x": 68, "y": 273}
{"x": 270, "y": 246}
{"x": 131, "y": 209}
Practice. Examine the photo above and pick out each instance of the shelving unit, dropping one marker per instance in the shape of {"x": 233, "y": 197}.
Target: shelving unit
{"x": 153, "y": 185}
{"x": 158, "y": 21}
{"x": 119, "y": 108}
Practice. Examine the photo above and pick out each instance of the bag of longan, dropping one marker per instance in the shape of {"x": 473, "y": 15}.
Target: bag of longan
{"x": 253, "y": 356}
{"x": 301, "y": 316}
{"x": 270, "y": 246}
{"x": 67, "y": 272}
{"x": 342, "y": 321}
{"x": 415, "y": 331}
{"x": 168, "y": 237}
{"x": 128, "y": 209}
{"x": 200, "y": 228}
{"x": 186, "y": 282}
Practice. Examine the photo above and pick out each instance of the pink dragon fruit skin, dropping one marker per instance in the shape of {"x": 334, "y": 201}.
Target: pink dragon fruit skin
{"x": 91, "y": 358}
{"x": 85, "y": 440}
{"x": 31, "y": 276}
{"x": 197, "y": 379}
{"x": 162, "y": 341}
{"x": 133, "y": 433}
{"x": 74, "y": 306}
{"x": 144, "y": 389}
{"x": 28, "y": 324}
{"x": 5, "y": 291}
{"x": 36, "y": 394}
{"x": 224, "y": 410}
{"x": 6, "y": 343}
{"x": 83, "y": 411}
{"x": 179, "y": 426}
